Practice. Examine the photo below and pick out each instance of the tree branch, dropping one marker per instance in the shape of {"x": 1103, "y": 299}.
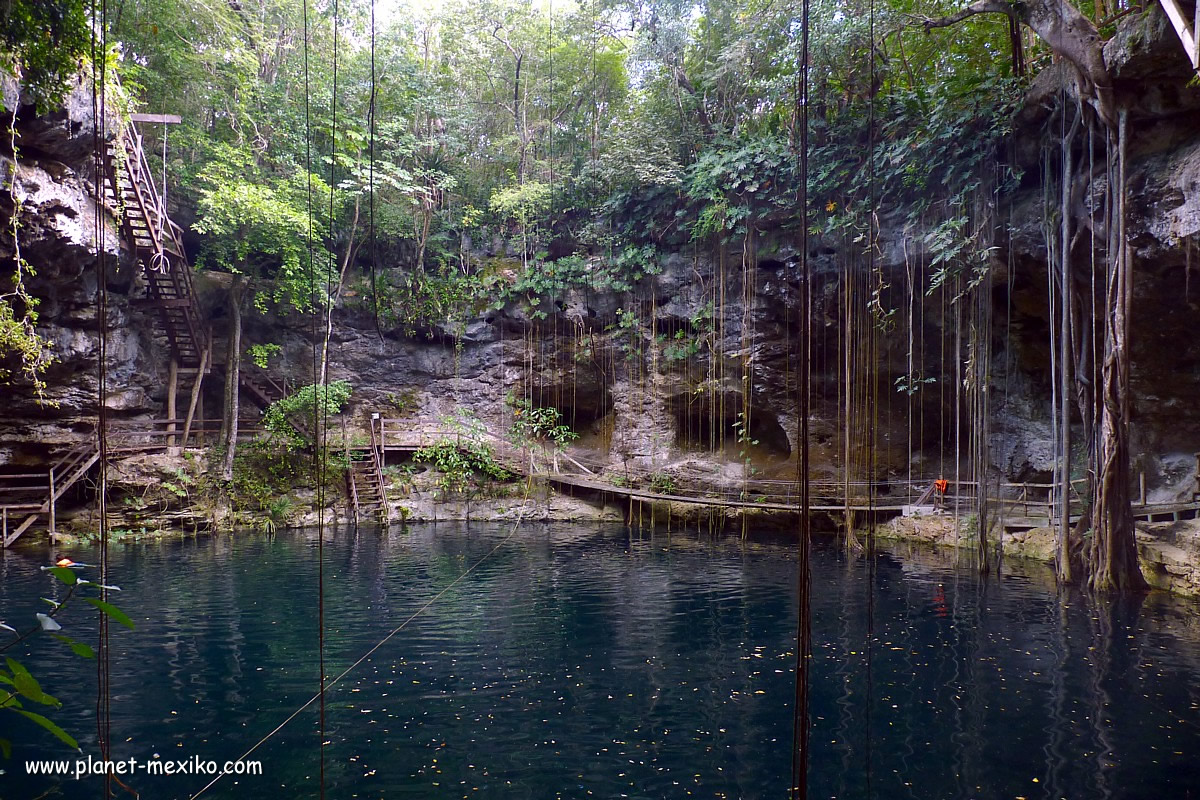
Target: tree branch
{"x": 976, "y": 8}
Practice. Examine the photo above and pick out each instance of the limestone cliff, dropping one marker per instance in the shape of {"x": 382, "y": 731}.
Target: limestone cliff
{"x": 633, "y": 402}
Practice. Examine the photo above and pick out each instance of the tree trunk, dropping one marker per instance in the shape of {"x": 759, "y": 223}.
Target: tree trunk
{"x": 1114, "y": 558}
{"x": 172, "y": 405}
{"x": 195, "y": 397}
{"x": 1068, "y": 33}
{"x": 233, "y": 350}
{"x": 351, "y": 250}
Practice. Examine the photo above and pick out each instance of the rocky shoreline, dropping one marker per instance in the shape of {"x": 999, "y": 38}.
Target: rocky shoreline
{"x": 1169, "y": 551}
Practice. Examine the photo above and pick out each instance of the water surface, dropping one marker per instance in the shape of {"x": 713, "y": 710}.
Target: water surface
{"x": 578, "y": 661}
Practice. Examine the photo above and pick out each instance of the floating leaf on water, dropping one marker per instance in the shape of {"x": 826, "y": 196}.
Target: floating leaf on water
{"x": 47, "y": 622}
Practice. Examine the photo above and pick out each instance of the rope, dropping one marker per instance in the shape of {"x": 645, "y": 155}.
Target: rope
{"x": 100, "y": 155}
{"x": 312, "y": 287}
{"x": 801, "y": 727}
{"x": 321, "y": 396}
{"x": 371, "y": 198}
{"x": 872, "y": 398}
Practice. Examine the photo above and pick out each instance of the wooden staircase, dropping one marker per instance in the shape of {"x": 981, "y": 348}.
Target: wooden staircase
{"x": 157, "y": 244}
{"x": 262, "y": 390}
{"x": 365, "y": 482}
{"x": 65, "y": 473}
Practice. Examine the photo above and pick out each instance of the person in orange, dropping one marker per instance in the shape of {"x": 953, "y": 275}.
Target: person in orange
{"x": 940, "y": 486}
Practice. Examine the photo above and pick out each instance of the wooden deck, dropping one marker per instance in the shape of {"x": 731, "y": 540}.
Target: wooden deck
{"x": 29, "y": 496}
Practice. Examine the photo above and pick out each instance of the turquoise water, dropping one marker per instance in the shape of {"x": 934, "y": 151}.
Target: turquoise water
{"x": 578, "y": 662}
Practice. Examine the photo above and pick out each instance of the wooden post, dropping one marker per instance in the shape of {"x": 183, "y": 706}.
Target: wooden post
{"x": 52, "y": 503}
{"x": 172, "y": 387}
{"x": 195, "y": 398}
{"x": 1142, "y": 487}
{"x": 4, "y": 530}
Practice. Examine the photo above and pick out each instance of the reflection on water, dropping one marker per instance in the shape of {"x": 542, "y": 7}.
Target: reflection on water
{"x": 583, "y": 662}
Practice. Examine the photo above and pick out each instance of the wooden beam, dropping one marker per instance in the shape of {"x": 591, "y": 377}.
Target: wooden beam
{"x": 168, "y": 119}
{"x": 1187, "y": 34}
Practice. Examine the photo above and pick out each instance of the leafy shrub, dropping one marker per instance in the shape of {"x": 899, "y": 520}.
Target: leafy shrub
{"x": 458, "y": 463}
{"x": 288, "y": 418}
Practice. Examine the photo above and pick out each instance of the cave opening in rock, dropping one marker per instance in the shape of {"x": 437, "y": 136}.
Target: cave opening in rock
{"x": 707, "y": 423}
{"x": 586, "y": 408}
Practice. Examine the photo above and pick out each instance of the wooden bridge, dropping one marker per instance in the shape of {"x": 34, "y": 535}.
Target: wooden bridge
{"x": 1020, "y": 505}
{"x": 27, "y": 497}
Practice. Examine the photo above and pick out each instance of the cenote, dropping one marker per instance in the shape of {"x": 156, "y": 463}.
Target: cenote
{"x": 592, "y": 661}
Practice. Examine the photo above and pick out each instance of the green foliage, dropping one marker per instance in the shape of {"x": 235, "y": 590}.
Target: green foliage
{"x": 662, "y": 483}
{"x": 521, "y": 203}
{"x": 543, "y": 426}
{"x": 264, "y": 471}
{"x": 20, "y": 341}
{"x": 285, "y": 419}
{"x": 685, "y": 343}
{"x": 461, "y": 459}
{"x": 501, "y": 119}
{"x": 43, "y": 43}
{"x": 459, "y": 463}
{"x": 421, "y": 302}
{"x": 261, "y": 354}
{"x": 910, "y": 384}
{"x": 18, "y": 686}
{"x": 257, "y": 223}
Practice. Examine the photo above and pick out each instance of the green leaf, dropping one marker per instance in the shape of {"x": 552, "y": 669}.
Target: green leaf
{"x": 5, "y": 748}
{"x": 27, "y": 685}
{"x": 79, "y": 648}
{"x": 114, "y": 613}
{"x": 63, "y": 574}
{"x": 62, "y": 735}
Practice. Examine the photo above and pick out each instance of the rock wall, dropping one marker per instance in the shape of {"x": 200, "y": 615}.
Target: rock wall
{"x": 632, "y": 404}
{"x": 61, "y": 232}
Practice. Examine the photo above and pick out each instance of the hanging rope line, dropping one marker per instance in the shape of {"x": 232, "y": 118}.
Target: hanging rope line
{"x": 321, "y": 393}
{"x": 800, "y": 708}
{"x": 319, "y": 696}
{"x": 871, "y": 391}
{"x": 316, "y": 452}
{"x": 371, "y": 119}
{"x": 99, "y": 51}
